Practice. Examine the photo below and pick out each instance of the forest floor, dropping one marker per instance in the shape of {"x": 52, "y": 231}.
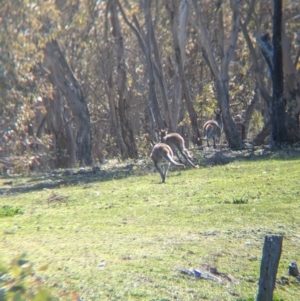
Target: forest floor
{"x": 116, "y": 168}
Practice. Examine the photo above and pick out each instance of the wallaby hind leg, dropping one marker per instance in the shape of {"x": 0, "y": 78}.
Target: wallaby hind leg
{"x": 161, "y": 172}
{"x": 207, "y": 140}
{"x": 166, "y": 168}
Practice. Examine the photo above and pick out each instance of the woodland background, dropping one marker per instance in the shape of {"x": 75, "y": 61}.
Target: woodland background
{"x": 86, "y": 80}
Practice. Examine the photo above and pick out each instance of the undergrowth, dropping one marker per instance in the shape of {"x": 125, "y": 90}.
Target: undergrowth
{"x": 20, "y": 283}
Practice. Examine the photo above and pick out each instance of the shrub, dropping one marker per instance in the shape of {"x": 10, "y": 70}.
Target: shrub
{"x": 7, "y": 210}
{"x": 19, "y": 282}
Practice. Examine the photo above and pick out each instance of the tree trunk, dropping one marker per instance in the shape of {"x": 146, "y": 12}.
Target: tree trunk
{"x": 98, "y": 146}
{"x": 229, "y": 126}
{"x": 258, "y": 72}
{"x": 182, "y": 36}
{"x": 109, "y": 88}
{"x": 152, "y": 84}
{"x": 64, "y": 146}
{"x": 161, "y": 79}
{"x": 266, "y": 130}
{"x": 221, "y": 74}
{"x": 178, "y": 57}
{"x": 264, "y": 133}
{"x": 67, "y": 83}
{"x": 123, "y": 108}
{"x": 249, "y": 112}
{"x": 146, "y": 48}
{"x": 278, "y": 117}
{"x": 291, "y": 90}
{"x": 291, "y": 94}
{"x": 292, "y": 86}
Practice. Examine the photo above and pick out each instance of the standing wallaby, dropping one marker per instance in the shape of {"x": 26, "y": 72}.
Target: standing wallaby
{"x": 162, "y": 156}
{"x": 176, "y": 142}
{"x": 213, "y": 129}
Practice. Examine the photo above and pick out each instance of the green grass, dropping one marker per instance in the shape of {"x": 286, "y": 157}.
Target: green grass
{"x": 128, "y": 239}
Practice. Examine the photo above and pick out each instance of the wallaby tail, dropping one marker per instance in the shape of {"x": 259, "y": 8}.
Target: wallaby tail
{"x": 209, "y": 128}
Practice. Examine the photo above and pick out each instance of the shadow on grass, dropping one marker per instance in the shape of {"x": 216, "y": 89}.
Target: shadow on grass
{"x": 55, "y": 181}
{"x": 206, "y": 158}
{"x": 226, "y": 156}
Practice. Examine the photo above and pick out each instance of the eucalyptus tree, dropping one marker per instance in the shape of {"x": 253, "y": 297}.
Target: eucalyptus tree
{"x": 220, "y": 70}
{"x": 148, "y": 43}
{"x": 38, "y": 58}
{"x": 64, "y": 79}
{"x": 290, "y": 57}
{"x": 260, "y": 22}
{"x": 179, "y": 51}
{"x": 19, "y": 85}
{"x": 127, "y": 143}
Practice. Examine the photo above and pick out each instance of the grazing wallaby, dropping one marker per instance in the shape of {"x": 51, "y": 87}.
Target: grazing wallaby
{"x": 162, "y": 156}
{"x": 213, "y": 128}
{"x": 176, "y": 142}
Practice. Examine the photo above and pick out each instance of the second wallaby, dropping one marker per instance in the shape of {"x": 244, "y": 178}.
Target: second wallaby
{"x": 212, "y": 129}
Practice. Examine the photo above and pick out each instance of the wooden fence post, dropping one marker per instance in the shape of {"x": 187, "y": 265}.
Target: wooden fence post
{"x": 268, "y": 269}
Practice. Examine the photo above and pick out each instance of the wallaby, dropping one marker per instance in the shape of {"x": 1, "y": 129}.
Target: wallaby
{"x": 213, "y": 129}
{"x": 162, "y": 156}
{"x": 176, "y": 142}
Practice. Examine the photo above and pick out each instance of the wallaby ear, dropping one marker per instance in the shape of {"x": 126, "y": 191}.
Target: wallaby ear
{"x": 165, "y": 124}
{"x": 218, "y": 112}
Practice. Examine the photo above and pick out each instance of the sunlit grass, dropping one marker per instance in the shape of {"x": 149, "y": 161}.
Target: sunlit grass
{"x": 129, "y": 239}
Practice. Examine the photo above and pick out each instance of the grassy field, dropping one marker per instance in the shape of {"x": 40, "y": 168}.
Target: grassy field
{"x": 135, "y": 239}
